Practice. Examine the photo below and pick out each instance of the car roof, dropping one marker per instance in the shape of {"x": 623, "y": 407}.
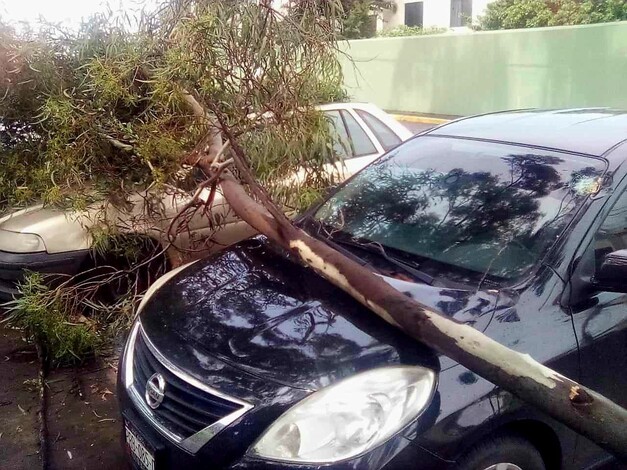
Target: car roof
{"x": 343, "y": 105}
{"x": 591, "y": 131}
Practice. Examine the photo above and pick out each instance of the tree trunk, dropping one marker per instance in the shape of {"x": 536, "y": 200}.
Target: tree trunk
{"x": 582, "y": 409}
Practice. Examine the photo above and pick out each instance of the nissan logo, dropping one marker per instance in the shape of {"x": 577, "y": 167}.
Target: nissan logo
{"x": 155, "y": 390}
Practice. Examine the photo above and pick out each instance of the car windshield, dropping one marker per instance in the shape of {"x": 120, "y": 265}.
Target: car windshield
{"x": 486, "y": 208}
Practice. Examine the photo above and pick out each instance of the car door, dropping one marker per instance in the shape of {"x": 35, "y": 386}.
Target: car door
{"x": 600, "y": 317}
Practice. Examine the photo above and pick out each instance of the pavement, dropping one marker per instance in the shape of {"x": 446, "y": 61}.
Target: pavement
{"x": 420, "y": 123}
{"x": 416, "y": 127}
{"x": 84, "y": 428}
{"x": 82, "y": 418}
{"x": 19, "y": 402}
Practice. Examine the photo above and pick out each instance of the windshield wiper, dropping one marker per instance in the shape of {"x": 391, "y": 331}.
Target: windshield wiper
{"x": 378, "y": 249}
{"x": 344, "y": 251}
{"x": 370, "y": 247}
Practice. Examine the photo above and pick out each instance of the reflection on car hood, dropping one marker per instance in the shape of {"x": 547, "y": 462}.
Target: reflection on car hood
{"x": 255, "y": 309}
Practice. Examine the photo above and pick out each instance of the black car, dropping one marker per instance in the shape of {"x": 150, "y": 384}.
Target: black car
{"x": 249, "y": 360}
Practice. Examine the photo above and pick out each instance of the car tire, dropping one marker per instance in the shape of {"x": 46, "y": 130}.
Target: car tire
{"x": 503, "y": 453}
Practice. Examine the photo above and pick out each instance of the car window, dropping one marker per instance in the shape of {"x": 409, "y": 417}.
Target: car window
{"x": 386, "y": 136}
{"x": 341, "y": 141}
{"x": 454, "y": 204}
{"x": 362, "y": 145}
{"x": 612, "y": 235}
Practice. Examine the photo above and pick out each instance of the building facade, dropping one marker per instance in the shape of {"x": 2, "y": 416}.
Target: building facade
{"x": 433, "y": 13}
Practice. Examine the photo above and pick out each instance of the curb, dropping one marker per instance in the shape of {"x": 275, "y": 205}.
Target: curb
{"x": 419, "y": 119}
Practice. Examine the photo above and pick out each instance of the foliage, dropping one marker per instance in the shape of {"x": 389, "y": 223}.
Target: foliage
{"x": 107, "y": 120}
{"x": 357, "y": 23}
{"x": 509, "y": 14}
{"x": 359, "y": 15}
{"x": 403, "y": 30}
{"x": 79, "y": 94}
{"x": 243, "y": 75}
{"x": 101, "y": 112}
{"x": 64, "y": 338}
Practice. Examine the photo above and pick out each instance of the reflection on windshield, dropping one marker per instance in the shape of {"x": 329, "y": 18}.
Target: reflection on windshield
{"x": 489, "y": 208}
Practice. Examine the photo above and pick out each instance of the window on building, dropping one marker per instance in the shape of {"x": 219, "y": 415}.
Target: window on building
{"x": 461, "y": 12}
{"x": 413, "y": 14}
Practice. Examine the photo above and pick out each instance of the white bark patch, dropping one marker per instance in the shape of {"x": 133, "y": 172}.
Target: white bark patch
{"x": 331, "y": 272}
{"x": 511, "y": 362}
{"x": 466, "y": 337}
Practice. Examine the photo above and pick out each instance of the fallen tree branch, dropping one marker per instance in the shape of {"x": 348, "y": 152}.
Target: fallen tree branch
{"x": 239, "y": 158}
{"x": 211, "y": 144}
{"x": 215, "y": 171}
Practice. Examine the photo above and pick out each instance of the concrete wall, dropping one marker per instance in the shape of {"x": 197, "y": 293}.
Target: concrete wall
{"x": 472, "y": 73}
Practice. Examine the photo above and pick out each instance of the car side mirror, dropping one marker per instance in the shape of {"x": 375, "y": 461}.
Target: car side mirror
{"x": 612, "y": 275}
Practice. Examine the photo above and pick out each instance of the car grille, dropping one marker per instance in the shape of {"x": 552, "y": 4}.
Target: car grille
{"x": 185, "y": 409}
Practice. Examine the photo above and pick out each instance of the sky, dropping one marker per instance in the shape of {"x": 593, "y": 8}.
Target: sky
{"x": 68, "y": 12}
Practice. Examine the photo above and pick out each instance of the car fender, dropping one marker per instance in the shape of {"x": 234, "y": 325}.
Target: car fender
{"x": 481, "y": 411}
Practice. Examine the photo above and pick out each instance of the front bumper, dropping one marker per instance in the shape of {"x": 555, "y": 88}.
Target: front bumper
{"x": 13, "y": 267}
{"x": 227, "y": 449}
{"x": 402, "y": 453}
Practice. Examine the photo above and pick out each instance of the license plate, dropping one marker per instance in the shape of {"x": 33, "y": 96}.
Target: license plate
{"x": 143, "y": 456}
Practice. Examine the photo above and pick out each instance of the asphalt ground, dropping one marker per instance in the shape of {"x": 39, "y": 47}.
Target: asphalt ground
{"x": 417, "y": 127}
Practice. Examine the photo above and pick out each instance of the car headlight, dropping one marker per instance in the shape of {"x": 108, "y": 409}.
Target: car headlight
{"x": 348, "y": 418}
{"x": 16, "y": 242}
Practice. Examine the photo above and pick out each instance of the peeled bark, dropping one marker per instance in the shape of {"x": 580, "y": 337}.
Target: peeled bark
{"x": 580, "y": 408}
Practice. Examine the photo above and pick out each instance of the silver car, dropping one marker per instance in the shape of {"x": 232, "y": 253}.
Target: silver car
{"x": 49, "y": 240}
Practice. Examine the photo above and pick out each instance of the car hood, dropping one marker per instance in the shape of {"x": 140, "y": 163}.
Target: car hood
{"x": 255, "y": 309}
{"x": 61, "y": 231}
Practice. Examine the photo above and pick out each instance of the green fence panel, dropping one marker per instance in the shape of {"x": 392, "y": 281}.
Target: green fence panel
{"x": 462, "y": 74}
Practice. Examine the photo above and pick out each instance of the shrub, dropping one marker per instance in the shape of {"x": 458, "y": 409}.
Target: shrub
{"x": 511, "y": 14}
{"x": 63, "y": 337}
{"x": 402, "y": 30}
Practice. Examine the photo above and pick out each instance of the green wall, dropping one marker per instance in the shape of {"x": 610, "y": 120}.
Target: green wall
{"x": 461, "y": 74}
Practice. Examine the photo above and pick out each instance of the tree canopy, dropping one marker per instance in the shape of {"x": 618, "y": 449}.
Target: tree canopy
{"x": 101, "y": 112}
{"x": 511, "y": 14}
{"x": 112, "y": 119}
{"x": 228, "y": 87}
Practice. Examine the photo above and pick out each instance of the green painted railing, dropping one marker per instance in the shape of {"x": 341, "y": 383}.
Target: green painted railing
{"x": 461, "y": 74}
